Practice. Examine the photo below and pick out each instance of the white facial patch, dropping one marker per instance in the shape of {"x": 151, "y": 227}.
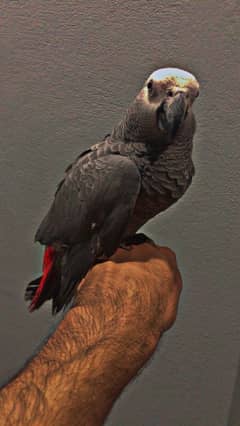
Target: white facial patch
{"x": 180, "y": 75}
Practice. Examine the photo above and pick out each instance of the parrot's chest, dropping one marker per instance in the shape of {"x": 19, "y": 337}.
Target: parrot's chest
{"x": 162, "y": 185}
{"x": 163, "y": 181}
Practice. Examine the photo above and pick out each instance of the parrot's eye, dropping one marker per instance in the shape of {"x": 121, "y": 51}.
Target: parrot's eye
{"x": 170, "y": 93}
{"x": 150, "y": 86}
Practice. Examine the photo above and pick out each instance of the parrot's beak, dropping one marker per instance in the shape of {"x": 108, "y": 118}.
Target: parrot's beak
{"x": 172, "y": 112}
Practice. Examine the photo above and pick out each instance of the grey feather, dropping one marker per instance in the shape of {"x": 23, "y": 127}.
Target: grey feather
{"x": 93, "y": 191}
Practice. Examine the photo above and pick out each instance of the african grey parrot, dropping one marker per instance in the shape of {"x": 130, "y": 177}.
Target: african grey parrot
{"x": 112, "y": 189}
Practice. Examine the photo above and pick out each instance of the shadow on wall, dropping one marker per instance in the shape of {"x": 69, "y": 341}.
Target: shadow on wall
{"x": 234, "y": 415}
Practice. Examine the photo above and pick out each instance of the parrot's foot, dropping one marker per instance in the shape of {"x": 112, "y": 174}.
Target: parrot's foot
{"x": 135, "y": 239}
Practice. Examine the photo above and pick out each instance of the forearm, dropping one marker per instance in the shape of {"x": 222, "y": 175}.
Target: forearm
{"x": 61, "y": 385}
{"x": 97, "y": 349}
{"x": 77, "y": 376}
{"x": 72, "y": 382}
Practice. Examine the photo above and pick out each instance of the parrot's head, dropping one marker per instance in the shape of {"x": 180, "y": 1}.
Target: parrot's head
{"x": 162, "y": 111}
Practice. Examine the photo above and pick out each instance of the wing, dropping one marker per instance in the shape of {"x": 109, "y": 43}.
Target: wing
{"x": 96, "y": 197}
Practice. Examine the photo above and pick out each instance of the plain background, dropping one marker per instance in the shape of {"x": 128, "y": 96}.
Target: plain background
{"x": 68, "y": 71}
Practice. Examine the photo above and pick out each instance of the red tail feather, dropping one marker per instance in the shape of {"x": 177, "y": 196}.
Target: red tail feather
{"x": 48, "y": 261}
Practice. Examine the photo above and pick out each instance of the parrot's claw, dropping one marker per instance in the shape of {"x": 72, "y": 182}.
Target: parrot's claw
{"x": 135, "y": 239}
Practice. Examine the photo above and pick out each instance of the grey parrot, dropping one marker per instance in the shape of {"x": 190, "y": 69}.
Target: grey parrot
{"x": 114, "y": 187}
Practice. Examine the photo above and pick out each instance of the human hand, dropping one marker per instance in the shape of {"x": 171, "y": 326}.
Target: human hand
{"x": 135, "y": 297}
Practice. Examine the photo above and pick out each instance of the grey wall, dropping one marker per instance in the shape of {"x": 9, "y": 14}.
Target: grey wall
{"x": 68, "y": 70}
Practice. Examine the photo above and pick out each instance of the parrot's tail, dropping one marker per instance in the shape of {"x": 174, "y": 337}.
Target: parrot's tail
{"x": 76, "y": 262}
{"x": 47, "y": 285}
{"x": 62, "y": 271}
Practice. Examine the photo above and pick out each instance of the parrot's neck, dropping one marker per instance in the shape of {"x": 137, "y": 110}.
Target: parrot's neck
{"x": 136, "y": 127}
{"x": 129, "y": 129}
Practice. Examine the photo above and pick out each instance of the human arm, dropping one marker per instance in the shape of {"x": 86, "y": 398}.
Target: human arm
{"x": 121, "y": 310}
